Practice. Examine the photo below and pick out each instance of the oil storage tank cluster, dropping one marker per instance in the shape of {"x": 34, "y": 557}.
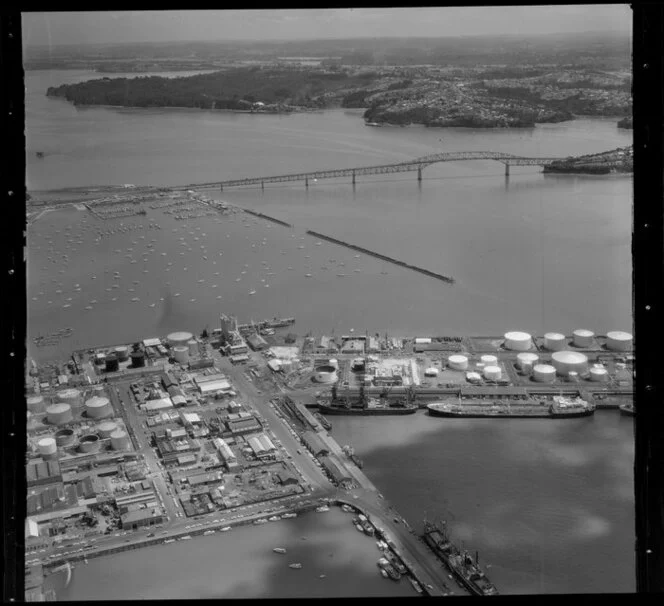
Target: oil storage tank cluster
{"x": 65, "y": 437}
{"x": 59, "y": 414}
{"x": 89, "y": 443}
{"x": 181, "y": 354}
{"x": 518, "y": 341}
{"x": 48, "y": 448}
{"x": 98, "y": 407}
{"x": 569, "y": 361}
{"x": 544, "y": 373}
{"x": 70, "y": 396}
{"x": 36, "y": 404}
{"x": 457, "y": 362}
{"x": 107, "y": 428}
{"x": 619, "y": 341}
{"x": 583, "y": 337}
{"x": 554, "y": 341}
{"x": 325, "y": 374}
{"x": 120, "y": 440}
{"x": 179, "y": 338}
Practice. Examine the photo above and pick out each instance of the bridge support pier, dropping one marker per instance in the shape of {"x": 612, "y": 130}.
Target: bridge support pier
{"x": 353, "y": 177}
{"x": 262, "y": 185}
{"x": 306, "y": 183}
{"x": 507, "y": 169}
{"x": 221, "y": 187}
{"x": 419, "y": 175}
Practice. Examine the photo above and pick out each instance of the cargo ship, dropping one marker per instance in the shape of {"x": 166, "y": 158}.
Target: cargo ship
{"x": 560, "y": 407}
{"x": 460, "y": 564}
{"x": 364, "y": 405}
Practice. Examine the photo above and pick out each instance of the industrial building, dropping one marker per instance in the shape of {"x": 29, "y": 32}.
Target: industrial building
{"x": 286, "y": 478}
{"x": 313, "y": 442}
{"x": 238, "y": 359}
{"x": 205, "y": 478}
{"x": 42, "y": 473}
{"x": 211, "y": 387}
{"x": 256, "y": 342}
{"x": 225, "y": 452}
{"x": 337, "y": 471}
{"x": 243, "y": 426}
{"x": 261, "y": 445}
{"x": 139, "y": 518}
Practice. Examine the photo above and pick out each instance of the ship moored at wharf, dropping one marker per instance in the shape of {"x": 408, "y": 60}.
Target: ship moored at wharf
{"x": 461, "y": 565}
{"x": 333, "y": 405}
{"x": 560, "y": 407}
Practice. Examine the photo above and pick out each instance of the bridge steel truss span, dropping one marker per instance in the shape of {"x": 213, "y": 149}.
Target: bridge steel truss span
{"x": 418, "y": 164}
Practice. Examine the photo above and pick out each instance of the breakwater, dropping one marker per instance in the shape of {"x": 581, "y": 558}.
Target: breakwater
{"x": 267, "y": 217}
{"x": 372, "y": 253}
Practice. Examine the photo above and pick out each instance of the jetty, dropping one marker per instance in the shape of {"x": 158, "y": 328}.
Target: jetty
{"x": 266, "y": 217}
{"x": 366, "y": 251}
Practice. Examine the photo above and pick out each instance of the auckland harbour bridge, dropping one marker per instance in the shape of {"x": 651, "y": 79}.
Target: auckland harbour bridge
{"x": 418, "y": 164}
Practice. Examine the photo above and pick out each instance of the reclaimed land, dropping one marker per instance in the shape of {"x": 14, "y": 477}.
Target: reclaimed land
{"x": 366, "y": 251}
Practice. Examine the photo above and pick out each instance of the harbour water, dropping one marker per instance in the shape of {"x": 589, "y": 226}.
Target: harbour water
{"x": 548, "y": 502}
{"x": 242, "y": 564}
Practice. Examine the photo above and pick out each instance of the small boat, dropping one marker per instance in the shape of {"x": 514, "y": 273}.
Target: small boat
{"x": 169, "y": 541}
{"x": 185, "y": 538}
{"x": 279, "y": 550}
{"x": 252, "y": 292}
{"x": 359, "y": 528}
{"x": 322, "y": 509}
{"x": 289, "y": 515}
{"x": 383, "y": 573}
{"x": 177, "y": 294}
{"x": 135, "y": 299}
{"x": 307, "y": 275}
{"x": 208, "y": 533}
{"x": 295, "y": 565}
{"x": 226, "y": 528}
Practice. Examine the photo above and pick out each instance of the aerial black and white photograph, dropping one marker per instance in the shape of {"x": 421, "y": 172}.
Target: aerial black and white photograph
{"x": 329, "y": 303}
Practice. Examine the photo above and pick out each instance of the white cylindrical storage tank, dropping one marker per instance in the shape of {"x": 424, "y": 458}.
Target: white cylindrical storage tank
{"x": 192, "y": 344}
{"x": 65, "y": 437}
{"x": 98, "y": 407}
{"x": 526, "y": 358}
{"x": 489, "y": 360}
{"x": 518, "y": 341}
{"x": 326, "y": 374}
{"x": 36, "y": 404}
{"x": 599, "y": 374}
{"x": 334, "y": 363}
{"x": 70, "y": 396}
{"x": 122, "y": 352}
{"x": 492, "y": 373}
{"x": 583, "y": 337}
{"x": 527, "y": 367}
{"x": 59, "y": 414}
{"x": 47, "y": 447}
{"x": 619, "y": 341}
{"x": 554, "y": 341}
{"x": 120, "y": 440}
{"x": 89, "y": 443}
{"x": 106, "y": 428}
{"x": 544, "y": 373}
{"x": 181, "y": 354}
{"x": 566, "y": 361}
{"x": 458, "y": 362}
{"x": 179, "y": 338}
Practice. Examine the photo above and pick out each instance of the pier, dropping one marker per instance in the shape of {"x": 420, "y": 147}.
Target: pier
{"x": 382, "y": 257}
{"x": 267, "y": 217}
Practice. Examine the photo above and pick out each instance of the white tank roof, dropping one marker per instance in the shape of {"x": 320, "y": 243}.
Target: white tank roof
{"x": 180, "y": 337}
{"x": 598, "y": 371}
{"x": 527, "y": 357}
{"x": 569, "y": 357}
{"x": 619, "y": 335}
{"x": 554, "y": 336}
{"x": 582, "y": 332}
{"x": 58, "y": 408}
{"x": 97, "y": 401}
{"x": 457, "y": 358}
{"x": 517, "y": 336}
{"x": 544, "y": 369}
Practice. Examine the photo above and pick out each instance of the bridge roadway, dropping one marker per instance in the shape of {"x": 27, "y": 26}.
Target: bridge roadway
{"x": 418, "y": 164}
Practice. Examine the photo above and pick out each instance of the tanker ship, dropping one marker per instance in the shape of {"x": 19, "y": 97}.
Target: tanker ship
{"x": 560, "y": 407}
{"x": 460, "y": 564}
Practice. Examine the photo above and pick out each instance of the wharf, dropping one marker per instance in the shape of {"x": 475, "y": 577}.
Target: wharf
{"x": 382, "y": 257}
